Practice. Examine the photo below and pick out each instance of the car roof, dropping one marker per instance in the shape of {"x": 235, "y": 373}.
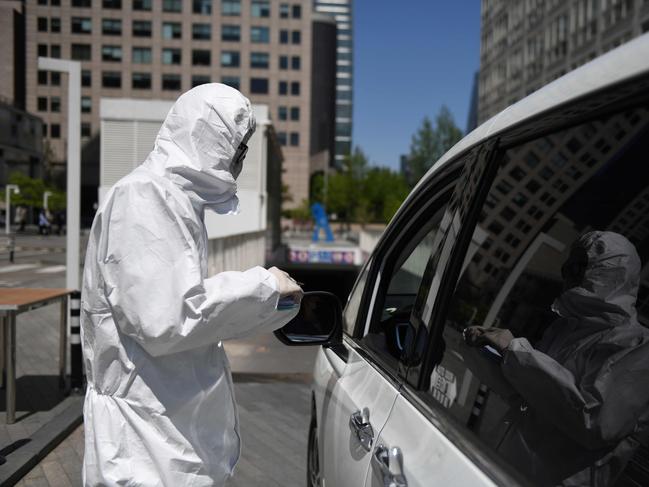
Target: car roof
{"x": 626, "y": 61}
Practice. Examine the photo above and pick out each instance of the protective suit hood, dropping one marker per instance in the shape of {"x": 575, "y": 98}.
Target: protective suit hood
{"x": 197, "y": 142}
{"x": 610, "y": 283}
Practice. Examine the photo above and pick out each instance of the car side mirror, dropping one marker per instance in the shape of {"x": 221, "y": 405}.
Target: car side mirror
{"x": 319, "y": 322}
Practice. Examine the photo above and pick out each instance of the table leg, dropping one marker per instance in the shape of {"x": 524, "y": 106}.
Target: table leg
{"x": 10, "y": 357}
{"x": 63, "y": 341}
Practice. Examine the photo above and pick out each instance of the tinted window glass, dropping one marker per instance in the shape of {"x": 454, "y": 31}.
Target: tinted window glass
{"x": 567, "y": 399}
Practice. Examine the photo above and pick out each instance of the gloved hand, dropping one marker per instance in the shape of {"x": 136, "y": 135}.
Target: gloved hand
{"x": 287, "y": 285}
{"x": 479, "y": 336}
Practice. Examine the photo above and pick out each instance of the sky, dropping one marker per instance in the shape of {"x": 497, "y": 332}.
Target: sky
{"x": 410, "y": 58}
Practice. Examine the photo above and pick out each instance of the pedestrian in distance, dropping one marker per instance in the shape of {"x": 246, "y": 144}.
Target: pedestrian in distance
{"x": 20, "y": 218}
{"x": 159, "y": 407}
{"x": 43, "y": 223}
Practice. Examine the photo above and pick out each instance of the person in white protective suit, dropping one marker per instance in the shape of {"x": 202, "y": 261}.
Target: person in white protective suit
{"x": 159, "y": 408}
{"x": 584, "y": 389}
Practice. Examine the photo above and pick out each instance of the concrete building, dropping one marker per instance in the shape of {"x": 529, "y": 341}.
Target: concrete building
{"x": 12, "y": 55}
{"x": 21, "y": 143}
{"x": 129, "y": 128}
{"x": 526, "y": 44}
{"x": 144, "y": 49}
{"x": 342, "y": 11}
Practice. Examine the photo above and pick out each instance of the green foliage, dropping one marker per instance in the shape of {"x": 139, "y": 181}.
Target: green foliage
{"x": 364, "y": 194}
{"x": 31, "y": 193}
{"x": 430, "y": 142}
{"x": 301, "y": 213}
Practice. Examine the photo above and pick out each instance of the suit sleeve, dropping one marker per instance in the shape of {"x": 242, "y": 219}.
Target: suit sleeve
{"x": 153, "y": 280}
{"x": 596, "y": 410}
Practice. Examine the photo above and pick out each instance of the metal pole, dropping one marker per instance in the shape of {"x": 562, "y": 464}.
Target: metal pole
{"x": 8, "y": 190}
{"x": 73, "y": 68}
{"x": 10, "y": 357}
{"x": 46, "y": 197}
{"x": 63, "y": 340}
{"x": 76, "y": 357}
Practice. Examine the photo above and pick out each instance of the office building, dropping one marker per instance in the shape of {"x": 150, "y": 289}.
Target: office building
{"x": 147, "y": 49}
{"x": 527, "y": 44}
{"x": 342, "y": 12}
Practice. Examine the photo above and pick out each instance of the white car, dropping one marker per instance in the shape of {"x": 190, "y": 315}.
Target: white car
{"x": 400, "y": 399}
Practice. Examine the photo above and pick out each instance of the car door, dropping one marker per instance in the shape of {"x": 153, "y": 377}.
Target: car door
{"x": 472, "y": 425}
{"x": 358, "y": 382}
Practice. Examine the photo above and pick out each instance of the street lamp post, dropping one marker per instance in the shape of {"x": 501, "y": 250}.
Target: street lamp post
{"x": 73, "y": 219}
{"x": 10, "y": 188}
{"x": 46, "y": 197}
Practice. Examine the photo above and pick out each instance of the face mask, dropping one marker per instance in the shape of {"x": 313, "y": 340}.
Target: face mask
{"x": 237, "y": 161}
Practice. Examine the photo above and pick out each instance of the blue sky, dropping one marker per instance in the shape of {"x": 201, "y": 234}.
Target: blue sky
{"x": 410, "y": 58}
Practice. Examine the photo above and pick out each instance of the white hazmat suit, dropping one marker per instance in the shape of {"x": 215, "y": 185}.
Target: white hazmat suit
{"x": 159, "y": 409}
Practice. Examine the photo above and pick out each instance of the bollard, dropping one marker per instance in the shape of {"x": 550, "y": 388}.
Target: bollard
{"x": 76, "y": 357}
{"x": 12, "y": 247}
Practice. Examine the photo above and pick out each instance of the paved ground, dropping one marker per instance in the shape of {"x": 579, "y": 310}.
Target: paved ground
{"x": 271, "y": 386}
{"x": 274, "y": 426}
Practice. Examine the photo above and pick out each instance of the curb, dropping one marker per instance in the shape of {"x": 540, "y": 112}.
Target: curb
{"x": 43, "y": 441}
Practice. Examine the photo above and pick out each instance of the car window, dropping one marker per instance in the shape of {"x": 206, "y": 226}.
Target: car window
{"x": 350, "y": 313}
{"x": 567, "y": 401}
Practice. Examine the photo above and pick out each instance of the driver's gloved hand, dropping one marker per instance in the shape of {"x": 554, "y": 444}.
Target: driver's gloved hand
{"x": 479, "y": 336}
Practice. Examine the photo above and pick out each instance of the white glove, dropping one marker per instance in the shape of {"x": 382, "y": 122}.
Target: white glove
{"x": 288, "y": 288}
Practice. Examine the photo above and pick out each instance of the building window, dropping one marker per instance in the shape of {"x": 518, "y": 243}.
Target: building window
{"x": 260, "y": 8}
{"x": 41, "y": 104}
{"x": 295, "y": 87}
{"x": 111, "y": 54}
{"x": 202, "y": 7}
{"x": 295, "y": 62}
{"x": 283, "y": 36}
{"x": 86, "y": 78}
{"x": 55, "y": 24}
{"x": 111, "y": 27}
{"x": 81, "y": 25}
{"x": 282, "y": 113}
{"x": 111, "y": 79}
{"x": 82, "y": 3}
{"x": 295, "y": 139}
{"x": 41, "y": 24}
{"x": 230, "y": 59}
{"x": 201, "y": 57}
{"x": 55, "y": 78}
{"x": 141, "y": 81}
{"x": 283, "y": 62}
{"x": 283, "y": 88}
{"x": 80, "y": 52}
{"x": 281, "y": 138}
{"x": 55, "y": 104}
{"x": 171, "y": 82}
{"x": 232, "y": 81}
{"x": 42, "y": 50}
{"x": 55, "y": 51}
{"x": 55, "y": 131}
{"x": 114, "y": 4}
{"x": 142, "y": 5}
{"x": 284, "y": 9}
{"x": 260, "y": 34}
{"x": 171, "y": 30}
{"x": 42, "y": 77}
{"x": 86, "y": 129}
{"x": 259, "y": 86}
{"x": 171, "y": 56}
{"x": 297, "y": 11}
{"x": 142, "y": 55}
{"x": 259, "y": 60}
{"x": 230, "y": 7}
{"x": 86, "y": 104}
{"x": 141, "y": 28}
{"x": 295, "y": 113}
{"x": 172, "y": 6}
{"x": 201, "y": 32}
{"x": 231, "y": 33}
{"x": 296, "y": 37}
{"x": 200, "y": 79}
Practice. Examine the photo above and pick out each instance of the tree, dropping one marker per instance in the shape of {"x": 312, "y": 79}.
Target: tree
{"x": 430, "y": 142}
{"x": 32, "y": 190}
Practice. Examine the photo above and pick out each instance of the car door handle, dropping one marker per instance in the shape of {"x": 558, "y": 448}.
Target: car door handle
{"x": 389, "y": 463}
{"x": 359, "y": 423}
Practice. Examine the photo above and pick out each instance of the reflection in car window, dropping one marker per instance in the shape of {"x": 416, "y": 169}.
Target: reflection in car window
{"x": 556, "y": 264}
{"x": 354, "y": 301}
{"x": 391, "y": 329}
